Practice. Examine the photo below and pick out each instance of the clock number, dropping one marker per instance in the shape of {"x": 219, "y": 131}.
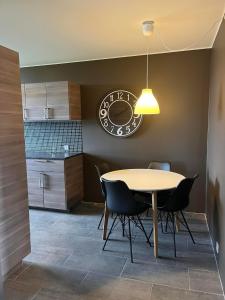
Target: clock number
{"x": 106, "y": 104}
{"x": 120, "y": 131}
{"x": 111, "y": 98}
{"x": 105, "y": 123}
{"x": 120, "y": 95}
{"x": 134, "y": 123}
{"x": 136, "y": 116}
{"x": 128, "y": 129}
{"x": 103, "y": 113}
{"x": 112, "y": 127}
{"x": 128, "y": 97}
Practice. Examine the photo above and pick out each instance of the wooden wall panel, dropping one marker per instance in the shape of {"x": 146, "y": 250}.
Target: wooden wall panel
{"x": 74, "y": 180}
{"x": 14, "y": 218}
{"x": 75, "y": 102}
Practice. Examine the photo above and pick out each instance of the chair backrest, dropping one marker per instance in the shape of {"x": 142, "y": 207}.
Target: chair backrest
{"x": 179, "y": 198}
{"x": 159, "y": 165}
{"x": 119, "y": 198}
{"x": 102, "y": 169}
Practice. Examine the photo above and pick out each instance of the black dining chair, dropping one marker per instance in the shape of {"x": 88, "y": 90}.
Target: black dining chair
{"x": 146, "y": 197}
{"x": 160, "y": 165}
{"x": 121, "y": 201}
{"x": 175, "y": 201}
{"x": 101, "y": 169}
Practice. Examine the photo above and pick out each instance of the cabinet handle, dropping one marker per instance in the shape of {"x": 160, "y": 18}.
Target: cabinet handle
{"x": 42, "y": 161}
{"x": 44, "y": 181}
{"x": 25, "y": 114}
{"x": 41, "y": 181}
{"x": 47, "y": 113}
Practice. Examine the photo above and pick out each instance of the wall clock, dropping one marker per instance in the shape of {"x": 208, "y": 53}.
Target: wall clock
{"x": 116, "y": 113}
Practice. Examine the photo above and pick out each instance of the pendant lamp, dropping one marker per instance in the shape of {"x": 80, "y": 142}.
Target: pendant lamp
{"x": 147, "y": 103}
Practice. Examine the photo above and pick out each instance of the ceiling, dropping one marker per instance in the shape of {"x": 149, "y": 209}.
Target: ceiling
{"x": 58, "y": 31}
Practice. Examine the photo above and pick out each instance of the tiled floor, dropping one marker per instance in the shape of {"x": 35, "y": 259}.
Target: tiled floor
{"x": 67, "y": 263}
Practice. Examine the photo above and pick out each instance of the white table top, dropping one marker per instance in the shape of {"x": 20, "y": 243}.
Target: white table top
{"x": 146, "y": 180}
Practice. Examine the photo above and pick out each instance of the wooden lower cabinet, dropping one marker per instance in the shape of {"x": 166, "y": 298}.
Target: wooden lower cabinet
{"x": 55, "y": 184}
{"x": 55, "y": 191}
{"x": 35, "y": 193}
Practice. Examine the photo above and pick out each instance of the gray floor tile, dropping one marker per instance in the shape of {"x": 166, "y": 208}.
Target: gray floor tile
{"x": 194, "y": 259}
{"x": 167, "y": 293}
{"x": 157, "y": 273}
{"x": 44, "y": 256}
{"x": 49, "y": 294}
{"x": 110, "y": 265}
{"x": 56, "y": 278}
{"x": 205, "y": 281}
{"x": 96, "y": 286}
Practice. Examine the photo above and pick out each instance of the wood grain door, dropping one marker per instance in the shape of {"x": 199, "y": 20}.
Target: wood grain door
{"x": 54, "y": 190}
{"x": 57, "y": 100}
{"x": 35, "y": 102}
{"x": 35, "y": 182}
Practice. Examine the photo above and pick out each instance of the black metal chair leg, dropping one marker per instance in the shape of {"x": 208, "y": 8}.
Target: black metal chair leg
{"x": 174, "y": 234}
{"x": 123, "y": 224}
{"x": 100, "y": 222}
{"x": 150, "y": 234}
{"x": 143, "y": 229}
{"x": 130, "y": 239}
{"x": 167, "y": 219}
{"x": 161, "y": 223}
{"x": 110, "y": 231}
{"x": 187, "y": 227}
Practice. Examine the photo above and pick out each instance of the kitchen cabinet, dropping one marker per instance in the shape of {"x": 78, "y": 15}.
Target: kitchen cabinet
{"x": 35, "y": 101}
{"x": 58, "y": 100}
{"x": 35, "y": 193}
{"x": 56, "y": 184}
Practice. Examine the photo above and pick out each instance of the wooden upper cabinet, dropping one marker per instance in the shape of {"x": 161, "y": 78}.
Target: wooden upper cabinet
{"x": 35, "y": 101}
{"x": 58, "y": 100}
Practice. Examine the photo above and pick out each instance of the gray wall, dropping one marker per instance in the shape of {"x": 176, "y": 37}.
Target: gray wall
{"x": 216, "y": 149}
{"x": 178, "y": 134}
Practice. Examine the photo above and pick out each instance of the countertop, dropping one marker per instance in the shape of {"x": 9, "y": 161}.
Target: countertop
{"x": 51, "y": 156}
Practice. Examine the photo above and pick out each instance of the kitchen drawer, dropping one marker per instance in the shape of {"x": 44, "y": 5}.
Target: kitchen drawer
{"x": 43, "y": 165}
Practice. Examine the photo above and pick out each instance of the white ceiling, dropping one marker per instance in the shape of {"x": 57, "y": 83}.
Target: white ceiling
{"x": 56, "y": 31}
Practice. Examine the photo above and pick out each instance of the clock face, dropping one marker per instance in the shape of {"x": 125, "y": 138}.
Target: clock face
{"x": 116, "y": 113}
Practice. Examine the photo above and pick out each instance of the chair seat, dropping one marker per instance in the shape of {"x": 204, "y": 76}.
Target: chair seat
{"x": 140, "y": 208}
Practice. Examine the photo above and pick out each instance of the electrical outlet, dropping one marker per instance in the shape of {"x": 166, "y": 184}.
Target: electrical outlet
{"x": 217, "y": 248}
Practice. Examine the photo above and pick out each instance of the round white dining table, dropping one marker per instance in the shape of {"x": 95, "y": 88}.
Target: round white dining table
{"x": 144, "y": 180}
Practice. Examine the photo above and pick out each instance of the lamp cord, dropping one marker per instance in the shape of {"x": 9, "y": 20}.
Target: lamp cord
{"x": 166, "y": 47}
{"x": 147, "y": 72}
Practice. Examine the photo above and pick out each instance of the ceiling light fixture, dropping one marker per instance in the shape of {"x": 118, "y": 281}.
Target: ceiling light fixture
{"x": 147, "y": 103}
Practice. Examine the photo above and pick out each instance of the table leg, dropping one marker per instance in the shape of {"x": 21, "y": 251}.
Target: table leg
{"x": 155, "y": 222}
{"x": 105, "y": 224}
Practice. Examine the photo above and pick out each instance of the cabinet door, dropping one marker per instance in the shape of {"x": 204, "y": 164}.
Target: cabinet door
{"x": 35, "y": 101}
{"x": 35, "y": 188}
{"x": 74, "y": 101}
{"x": 57, "y": 100}
{"x": 54, "y": 191}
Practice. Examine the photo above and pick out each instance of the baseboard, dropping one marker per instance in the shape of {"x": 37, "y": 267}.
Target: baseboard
{"x": 214, "y": 254}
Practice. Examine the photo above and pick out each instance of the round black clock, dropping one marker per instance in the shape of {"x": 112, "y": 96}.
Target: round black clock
{"x": 116, "y": 113}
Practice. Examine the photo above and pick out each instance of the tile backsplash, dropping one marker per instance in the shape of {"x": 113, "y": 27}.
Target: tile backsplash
{"x": 52, "y": 136}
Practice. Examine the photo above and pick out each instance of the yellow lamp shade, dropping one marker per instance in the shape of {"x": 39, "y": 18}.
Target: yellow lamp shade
{"x": 147, "y": 104}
